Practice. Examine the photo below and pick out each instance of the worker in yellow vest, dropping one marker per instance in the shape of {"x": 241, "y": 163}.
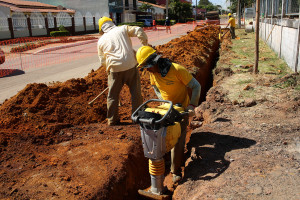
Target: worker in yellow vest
{"x": 231, "y": 22}
{"x": 171, "y": 81}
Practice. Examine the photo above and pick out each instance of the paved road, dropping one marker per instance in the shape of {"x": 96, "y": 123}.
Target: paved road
{"x": 64, "y": 64}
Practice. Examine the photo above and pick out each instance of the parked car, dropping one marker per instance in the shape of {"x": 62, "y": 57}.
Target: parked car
{"x": 147, "y": 22}
{"x": 2, "y": 56}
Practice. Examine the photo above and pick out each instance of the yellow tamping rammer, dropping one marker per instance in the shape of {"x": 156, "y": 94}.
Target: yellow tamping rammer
{"x": 160, "y": 131}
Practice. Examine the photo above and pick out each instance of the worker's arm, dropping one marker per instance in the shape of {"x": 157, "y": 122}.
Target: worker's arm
{"x": 135, "y": 31}
{"x": 157, "y": 92}
{"x": 196, "y": 89}
{"x": 101, "y": 57}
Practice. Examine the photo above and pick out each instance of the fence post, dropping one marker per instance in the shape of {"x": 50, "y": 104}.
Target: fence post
{"x": 281, "y": 27}
{"x": 73, "y": 25}
{"x": 297, "y": 45}
{"x": 11, "y": 28}
{"x": 29, "y": 26}
{"x": 55, "y": 23}
{"x": 94, "y": 21}
{"x": 47, "y": 26}
{"x": 84, "y": 24}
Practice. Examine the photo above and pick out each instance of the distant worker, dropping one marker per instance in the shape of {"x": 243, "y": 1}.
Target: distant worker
{"x": 154, "y": 24}
{"x": 167, "y": 24}
{"x": 171, "y": 81}
{"x": 118, "y": 57}
{"x": 231, "y": 22}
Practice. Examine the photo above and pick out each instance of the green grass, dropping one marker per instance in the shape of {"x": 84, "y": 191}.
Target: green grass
{"x": 246, "y": 81}
{"x": 244, "y": 50}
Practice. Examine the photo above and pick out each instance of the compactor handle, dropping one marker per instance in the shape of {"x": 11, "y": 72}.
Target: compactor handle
{"x": 136, "y": 119}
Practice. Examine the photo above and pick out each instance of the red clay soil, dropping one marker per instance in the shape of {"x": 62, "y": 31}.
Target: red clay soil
{"x": 54, "y": 145}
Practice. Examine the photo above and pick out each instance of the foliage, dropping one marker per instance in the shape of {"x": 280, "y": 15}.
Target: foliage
{"x": 140, "y": 24}
{"x": 146, "y": 7}
{"x": 180, "y": 11}
{"x": 59, "y": 33}
{"x": 162, "y": 22}
{"x": 244, "y": 4}
{"x": 206, "y": 4}
{"x": 62, "y": 28}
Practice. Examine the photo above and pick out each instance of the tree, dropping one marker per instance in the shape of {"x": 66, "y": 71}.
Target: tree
{"x": 146, "y": 8}
{"x": 180, "y": 11}
{"x": 206, "y": 4}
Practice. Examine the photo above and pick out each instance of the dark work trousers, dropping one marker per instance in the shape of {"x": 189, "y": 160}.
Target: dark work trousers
{"x": 232, "y": 32}
{"x": 177, "y": 153}
{"x": 116, "y": 80}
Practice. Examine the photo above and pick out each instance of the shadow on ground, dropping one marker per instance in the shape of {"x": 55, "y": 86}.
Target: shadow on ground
{"x": 10, "y": 72}
{"x": 207, "y": 151}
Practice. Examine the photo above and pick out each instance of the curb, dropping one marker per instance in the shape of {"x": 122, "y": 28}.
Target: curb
{"x": 64, "y": 46}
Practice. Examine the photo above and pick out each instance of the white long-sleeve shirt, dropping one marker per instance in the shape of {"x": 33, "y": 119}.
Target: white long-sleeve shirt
{"x": 115, "y": 47}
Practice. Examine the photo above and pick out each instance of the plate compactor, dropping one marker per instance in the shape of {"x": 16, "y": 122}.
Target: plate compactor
{"x": 160, "y": 131}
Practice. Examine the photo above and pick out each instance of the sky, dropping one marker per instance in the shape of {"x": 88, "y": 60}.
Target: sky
{"x": 216, "y": 2}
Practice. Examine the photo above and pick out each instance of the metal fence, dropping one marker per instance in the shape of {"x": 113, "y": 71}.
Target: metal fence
{"x": 269, "y": 8}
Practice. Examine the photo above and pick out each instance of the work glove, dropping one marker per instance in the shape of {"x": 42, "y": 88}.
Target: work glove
{"x": 191, "y": 110}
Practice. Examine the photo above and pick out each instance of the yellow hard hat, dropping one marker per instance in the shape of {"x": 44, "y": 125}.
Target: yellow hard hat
{"x": 229, "y": 14}
{"x": 102, "y": 20}
{"x": 143, "y": 53}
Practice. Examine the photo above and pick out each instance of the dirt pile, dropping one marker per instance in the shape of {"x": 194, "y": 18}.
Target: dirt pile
{"x": 50, "y": 130}
{"x": 42, "y": 110}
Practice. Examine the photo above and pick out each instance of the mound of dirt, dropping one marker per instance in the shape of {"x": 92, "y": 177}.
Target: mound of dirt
{"x": 54, "y": 144}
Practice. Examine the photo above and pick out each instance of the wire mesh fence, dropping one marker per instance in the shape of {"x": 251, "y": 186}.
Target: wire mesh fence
{"x": 25, "y": 53}
{"x": 277, "y": 8}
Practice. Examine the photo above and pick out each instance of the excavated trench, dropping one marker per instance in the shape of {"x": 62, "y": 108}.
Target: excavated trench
{"x": 40, "y": 118}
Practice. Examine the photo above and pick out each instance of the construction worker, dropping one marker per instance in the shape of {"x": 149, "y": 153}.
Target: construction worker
{"x": 171, "y": 81}
{"x": 154, "y": 24}
{"x": 231, "y": 22}
{"x": 167, "y": 24}
{"x": 118, "y": 57}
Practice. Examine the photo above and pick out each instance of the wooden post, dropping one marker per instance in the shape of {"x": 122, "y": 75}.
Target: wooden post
{"x": 281, "y": 27}
{"x": 11, "y": 28}
{"x": 29, "y": 26}
{"x": 55, "y": 23}
{"x": 255, "y": 69}
{"x": 297, "y": 43}
{"x": 84, "y": 24}
{"x": 94, "y": 22}
{"x": 47, "y": 26}
{"x": 239, "y": 13}
{"x": 73, "y": 25}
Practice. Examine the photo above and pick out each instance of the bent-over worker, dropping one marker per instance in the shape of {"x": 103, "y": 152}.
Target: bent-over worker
{"x": 171, "y": 82}
{"x": 118, "y": 57}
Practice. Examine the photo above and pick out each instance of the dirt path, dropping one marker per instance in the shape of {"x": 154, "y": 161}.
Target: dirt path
{"x": 249, "y": 144}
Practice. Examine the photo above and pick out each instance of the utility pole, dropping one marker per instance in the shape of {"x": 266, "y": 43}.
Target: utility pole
{"x": 196, "y": 11}
{"x": 167, "y": 8}
{"x": 255, "y": 70}
{"x": 239, "y": 13}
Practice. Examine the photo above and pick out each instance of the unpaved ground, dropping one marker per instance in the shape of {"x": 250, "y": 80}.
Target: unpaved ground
{"x": 55, "y": 146}
{"x": 249, "y": 144}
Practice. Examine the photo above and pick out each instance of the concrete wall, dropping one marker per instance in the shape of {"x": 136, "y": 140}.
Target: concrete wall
{"x": 4, "y": 34}
{"x": 5, "y": 11}
{"x": 282, "y": 39}
{"x": 39, "y": 31}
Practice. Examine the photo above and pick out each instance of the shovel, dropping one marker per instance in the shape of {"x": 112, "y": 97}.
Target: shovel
{"x": 91, "y": 102}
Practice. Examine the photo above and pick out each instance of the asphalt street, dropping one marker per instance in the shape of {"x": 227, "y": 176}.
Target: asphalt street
{"x": 72, "y": 62}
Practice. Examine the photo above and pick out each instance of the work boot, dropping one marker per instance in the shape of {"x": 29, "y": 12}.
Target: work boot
{"x": 114, "y": 123}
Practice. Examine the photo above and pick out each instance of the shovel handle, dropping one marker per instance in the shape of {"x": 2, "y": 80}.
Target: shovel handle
{"x": 98, "y": 96}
